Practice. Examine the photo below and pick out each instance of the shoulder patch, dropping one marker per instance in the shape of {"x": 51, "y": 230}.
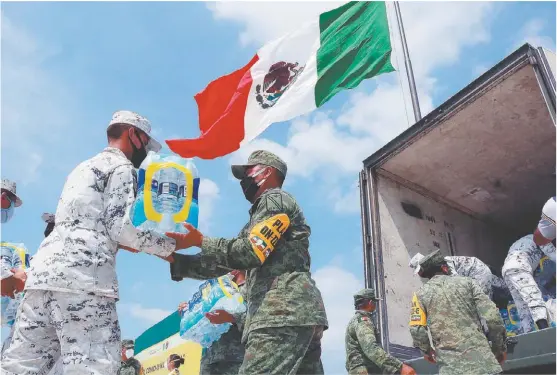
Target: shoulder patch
{"x": 265, "y": 235}
{"x": 274, "y": 202}
{"x": 417, "y": 315}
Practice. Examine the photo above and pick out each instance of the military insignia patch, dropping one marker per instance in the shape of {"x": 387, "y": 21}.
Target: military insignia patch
{"x": 417, "y": 315}
{"x": 265, "y": 235}
{"x": 280, "y": 77}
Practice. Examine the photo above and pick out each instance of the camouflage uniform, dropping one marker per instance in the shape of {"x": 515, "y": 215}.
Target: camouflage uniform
{"x": 475, "y": 269}
{"x": 523, "y": 258}
{"x": 452, "y": 307}
{"x": 363, "y": 353}
{"x": 286, "y": 316}
{"x": 546, "y": 226}
{"x": 130, "y": 366}
{"x": 72, "y": 289}
{"x": 225, "y": 356}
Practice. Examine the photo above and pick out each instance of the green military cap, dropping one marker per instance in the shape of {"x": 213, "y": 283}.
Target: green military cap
{"x": 367, "y": 293}
{"x": 432, "y": 259}
{"x": 260, "y": 157}
{"x": 127, "y": 344}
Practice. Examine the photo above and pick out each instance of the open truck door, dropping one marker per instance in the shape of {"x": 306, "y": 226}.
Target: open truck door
{"x": 469, "y": 179}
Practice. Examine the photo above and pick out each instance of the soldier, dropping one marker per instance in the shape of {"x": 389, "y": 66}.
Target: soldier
{"x": 12, "y": 276}
{"x": 286, "y": 316}
{"x": 446, "y": 322}
{"x": 522, "y": 260}
{"x": 129, "y": 365}
{"x": 49, "y": 220}
{"x": 69, "y": 307}
{"x": 468, "y": 267}
{"x": 545, "y": 232}
{"x": 225, "y": 356}
{"x": 363, "y": 354}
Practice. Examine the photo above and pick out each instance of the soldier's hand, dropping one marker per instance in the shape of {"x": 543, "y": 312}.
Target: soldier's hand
{"x": 220, "y": 317}
{"x": 8, "y": 286}
{"x": 20, "y": 278}
{"x": 187, "y": 240}
{"x": 130, "y": 249}
{"x": 183, "y": 306}
{"x": 407, "y": 370}
{"x": 430, "y": 357}
{"x": 502, "y": 358}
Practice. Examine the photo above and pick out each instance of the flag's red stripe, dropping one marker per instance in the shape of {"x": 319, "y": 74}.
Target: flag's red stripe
{"x": 222, "y": 106}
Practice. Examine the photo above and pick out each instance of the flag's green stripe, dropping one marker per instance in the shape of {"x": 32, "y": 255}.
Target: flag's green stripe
{"x": 159, "y": 332}
{"x": 355, "y": 45}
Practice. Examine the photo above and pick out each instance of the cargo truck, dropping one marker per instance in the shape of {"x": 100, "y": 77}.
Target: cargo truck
{"x": 469, "y": 178}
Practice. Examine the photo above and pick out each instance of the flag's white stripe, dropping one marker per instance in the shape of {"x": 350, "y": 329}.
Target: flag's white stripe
{"x": 299, "y": 46}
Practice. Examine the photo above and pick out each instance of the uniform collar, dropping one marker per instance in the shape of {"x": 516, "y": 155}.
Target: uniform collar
{"x": 115, "y": 151}
{"x": 256, "y": 203}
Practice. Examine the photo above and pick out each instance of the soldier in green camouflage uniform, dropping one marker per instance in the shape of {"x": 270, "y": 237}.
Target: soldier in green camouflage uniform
{"x": 129, "y": 365}
{"x": 451, "y": 308}
{"x": 286, "y": 316}
{"x": 363, "y": 353}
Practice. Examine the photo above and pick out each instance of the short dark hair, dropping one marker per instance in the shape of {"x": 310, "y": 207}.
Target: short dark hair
{"x": 360, "y": 303}
{"x": 115, "y": 131}
{"x": 280, "y": 177}
{"x": 429, "y": 272}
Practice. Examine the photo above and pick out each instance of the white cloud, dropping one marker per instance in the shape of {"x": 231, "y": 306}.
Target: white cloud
{"x": 331, "y": 146}
{"x": 532, "y": 32}
{"x": 32, "y": 100}
{"x": 209, "y": 193}
{"x": 148, "y": 315}
{"x": 337, "y": 288}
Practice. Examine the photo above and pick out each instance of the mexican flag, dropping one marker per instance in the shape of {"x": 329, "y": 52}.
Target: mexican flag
{"x": 291, "y": 76}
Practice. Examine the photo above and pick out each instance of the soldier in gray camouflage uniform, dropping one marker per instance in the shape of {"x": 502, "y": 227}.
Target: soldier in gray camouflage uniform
{"x": 129, "y": 365}
{"x": 364, "y": 355}
{"x": 69, "y": 307}
{"x": 446, "y": 322}
{"x": 468, "y": 267}
{"x": 225, "y": 356}
{"x": 522, "y": 260}
{"x": 286, "y": 316}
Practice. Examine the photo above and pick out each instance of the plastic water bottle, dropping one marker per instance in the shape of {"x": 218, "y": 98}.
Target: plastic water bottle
{"x": 514, "y": 318}
{"x": 168, "y": 198}
{"x": 9, "y": 309}
{"x": 193, "y": 217}
{"x": 211, "y": 296}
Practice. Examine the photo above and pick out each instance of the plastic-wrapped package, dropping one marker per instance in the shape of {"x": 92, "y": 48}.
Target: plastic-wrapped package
{"x": 167, "y": 194}
{"x": 16, "y": 255}
{"x": 216, "y": 294}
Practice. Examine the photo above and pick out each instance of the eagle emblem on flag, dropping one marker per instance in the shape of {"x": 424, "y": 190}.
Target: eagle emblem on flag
{"x": 280, "y": 77}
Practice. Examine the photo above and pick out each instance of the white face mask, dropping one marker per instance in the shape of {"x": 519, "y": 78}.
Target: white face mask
{"x": 129, "y": 353}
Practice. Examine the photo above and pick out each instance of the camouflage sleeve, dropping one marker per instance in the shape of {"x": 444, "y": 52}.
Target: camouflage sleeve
{"x": 365, "y": 334}
{"x": 418, "y": 326}
{"x": 487, "y": 310}
{"x": 119, "y": 197}
{"x": 6, "y": 262}
{"x": 241, "y": 317}
{"x": 195, "y": 267}
{"x": 270, "y": 220}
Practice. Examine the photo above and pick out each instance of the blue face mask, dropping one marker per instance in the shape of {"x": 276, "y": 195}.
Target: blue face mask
{"x": 7, "y": 213}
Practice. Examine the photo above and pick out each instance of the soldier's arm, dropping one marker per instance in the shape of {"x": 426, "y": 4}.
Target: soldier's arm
{"x": 195, "y": 267}
{"x": 119, "y": 197}
{"x": 271, "y": 221}
{"x": 371, "y": 349}
{"x": 418, "y": 327}
{"x": 487, "y": 310}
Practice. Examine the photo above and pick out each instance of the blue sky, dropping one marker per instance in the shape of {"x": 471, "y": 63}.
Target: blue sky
{"x": 67, "y": 66}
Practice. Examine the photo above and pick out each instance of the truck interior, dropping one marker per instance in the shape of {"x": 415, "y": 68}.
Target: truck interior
{"x": 470, "y": 179}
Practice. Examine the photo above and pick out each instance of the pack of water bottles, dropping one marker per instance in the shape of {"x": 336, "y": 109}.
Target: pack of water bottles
{"x": 217, "y": 294}
{"x": 167, "y": 194}
{"x": 511, "y": 319}
{"x": 20, "y": 258}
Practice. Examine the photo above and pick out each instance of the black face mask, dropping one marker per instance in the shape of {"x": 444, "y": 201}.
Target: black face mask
{"x": 138, "y": 154}
{"x": 48, "y": 229}
{"x": 249, "y": 186}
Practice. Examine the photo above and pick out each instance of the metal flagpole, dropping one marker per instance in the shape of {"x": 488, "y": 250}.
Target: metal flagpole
{"x": 408, "y": 66}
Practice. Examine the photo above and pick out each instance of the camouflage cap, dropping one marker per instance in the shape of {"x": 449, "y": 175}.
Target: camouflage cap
{"x": 432, "y": 259}
{"x": 128, "y": 344}
{"x": 367, "y": 293}
{"x": 260, "y": 157}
